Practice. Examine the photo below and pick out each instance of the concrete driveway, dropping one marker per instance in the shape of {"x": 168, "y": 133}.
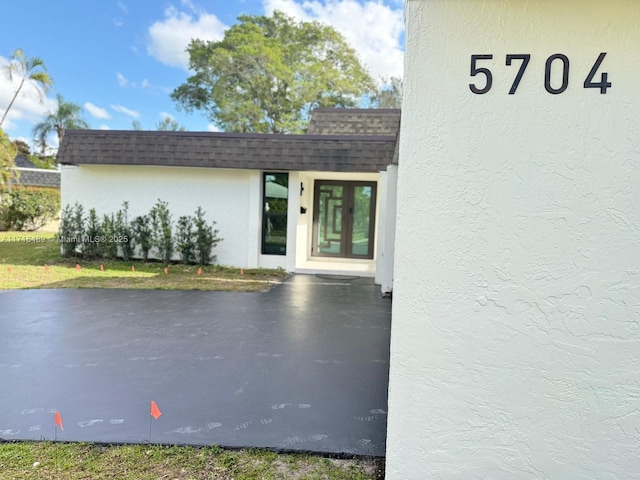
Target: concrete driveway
{"x": 301, "y": 367}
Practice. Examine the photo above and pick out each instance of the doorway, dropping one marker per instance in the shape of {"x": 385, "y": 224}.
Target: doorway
{"x": 344, "y": 219}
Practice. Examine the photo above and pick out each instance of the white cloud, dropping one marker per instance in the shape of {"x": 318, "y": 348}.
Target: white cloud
{"x": 165, "y": 115}
{"x": 212, "y": 128}
{"x": 126, "y": 111}
{"x": 96, "y": 111}
{"x": 27, "y": 106}
{"x": 169, "y": 38}
{"x": 373, "y": 29}
{"x": 123, "y": 7}
{"x": 122, "y": 80}
{"x": 104, "y": 127}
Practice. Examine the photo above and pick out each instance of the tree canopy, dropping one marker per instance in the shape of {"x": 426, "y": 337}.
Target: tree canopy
{"x": 67, "y": 115}
{"x": 268, "y": 73}
{"x": 168, "y": 124}
{"x": 389, "y": 95}
{"x": 7, "y": 156}
{"x": 26, "y": 69}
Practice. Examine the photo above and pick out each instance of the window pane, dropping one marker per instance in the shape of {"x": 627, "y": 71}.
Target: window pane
{"x": 361, "y": 219}
{"x": 330, "y": 205}
{"x": 274, "y": 225}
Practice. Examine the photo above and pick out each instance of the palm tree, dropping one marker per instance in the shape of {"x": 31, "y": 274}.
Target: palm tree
{"x": 67, "y": 115}
{"x": 31, "y": 69}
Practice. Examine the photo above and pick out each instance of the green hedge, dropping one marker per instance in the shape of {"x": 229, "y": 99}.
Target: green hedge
{"x": 28, "y": 208}
{"x": 84, "y": 234}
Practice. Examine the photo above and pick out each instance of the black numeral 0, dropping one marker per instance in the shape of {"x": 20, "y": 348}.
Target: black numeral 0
{"x": 565, "y": 74}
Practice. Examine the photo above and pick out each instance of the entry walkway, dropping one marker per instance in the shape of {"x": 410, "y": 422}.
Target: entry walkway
{"x": 301, "y": 367}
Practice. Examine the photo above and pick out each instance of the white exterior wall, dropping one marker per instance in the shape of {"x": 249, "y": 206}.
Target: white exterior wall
{"x": 380, "y": 229}
{"x": 387, "y": 235}
{"x": 515, "y": 347}
{"x": 231, "y": 198}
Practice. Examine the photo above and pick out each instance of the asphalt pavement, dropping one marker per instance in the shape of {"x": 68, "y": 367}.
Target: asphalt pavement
{"x": 303, "y": 366}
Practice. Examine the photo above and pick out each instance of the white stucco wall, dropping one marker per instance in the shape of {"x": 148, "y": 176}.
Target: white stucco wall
{"x": 516, "y": 335}
{"x": 231, "y": 198}
{"x": 387, "y": 235}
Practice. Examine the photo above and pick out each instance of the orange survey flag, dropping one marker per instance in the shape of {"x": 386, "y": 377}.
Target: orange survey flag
{"x": 155, "y": 411}
{"x": 58, "y": 420}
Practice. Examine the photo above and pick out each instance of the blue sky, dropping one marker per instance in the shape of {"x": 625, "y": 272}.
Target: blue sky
{"x": 120, "y": 59}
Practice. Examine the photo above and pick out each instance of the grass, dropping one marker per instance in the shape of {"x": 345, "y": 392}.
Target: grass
{"x": 33, "y": 260}
{"x": 46, "y": 460}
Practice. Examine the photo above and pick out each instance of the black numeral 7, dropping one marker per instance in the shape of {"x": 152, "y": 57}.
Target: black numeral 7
{"x": 523, "y": 66}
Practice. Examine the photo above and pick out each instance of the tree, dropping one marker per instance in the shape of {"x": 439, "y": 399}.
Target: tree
{"x": 22, "y": 148}
{"x": 168, "y": 124}
{"x": 67, "y": 115}
{"x": 268, "y": 73}
{"x": 7, "y": 156}
{"x": 389, "y": 95}
{"x": 26, "y": 69}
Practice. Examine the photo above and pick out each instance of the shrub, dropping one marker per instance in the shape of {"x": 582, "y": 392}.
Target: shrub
{"x": 206, "y": 238}
{"x": 109, "y": 232}
{"x": 143, "y": 234}
{"x": 72, "y": 227}
{"x": 185, "y": 239}
{"x": 162, "y": 237}
{"x": 29, "y": 209}
{"x": 124, "y": 238}
{"x": 92, "y": 246}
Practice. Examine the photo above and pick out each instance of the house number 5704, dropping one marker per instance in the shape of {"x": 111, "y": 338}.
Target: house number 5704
{"x": 552, "y": 85}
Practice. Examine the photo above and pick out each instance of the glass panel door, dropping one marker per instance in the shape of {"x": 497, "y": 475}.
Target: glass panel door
{"x": 330, "y": 228}
{"x": 361, "y": 220}
{"x": 343, "y": 219}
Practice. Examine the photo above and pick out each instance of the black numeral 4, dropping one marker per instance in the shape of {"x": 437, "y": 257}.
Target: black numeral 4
{"x": 603, "y": 84}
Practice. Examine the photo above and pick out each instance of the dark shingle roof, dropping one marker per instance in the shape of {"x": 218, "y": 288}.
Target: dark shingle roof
{"x": 227, "y": 150}
{"x": 22, "y": 162}
{"x": 354, "y": 121}
{"x": 38, "y": 177}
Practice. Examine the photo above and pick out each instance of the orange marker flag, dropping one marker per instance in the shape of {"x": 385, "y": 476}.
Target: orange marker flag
{"x": 133, "y": 268}
{"x": 166, "y": 270}
{"x": 58, "y": 420}
{"x": 46, "y": 268}
{"x": 199, "y": 271}
{"x": 101, "y": 268}
{"x": 155, "y": 411}
{"x": 242, "y": 271}
{"x": 9, "y": 269}
{"x": 78, "y": 267}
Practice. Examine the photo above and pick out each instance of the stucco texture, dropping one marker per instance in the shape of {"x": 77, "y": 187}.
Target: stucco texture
{"x": 515, "y": 348}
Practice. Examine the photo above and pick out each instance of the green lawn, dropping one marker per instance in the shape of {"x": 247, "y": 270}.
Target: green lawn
{"x": 62, "y": 461}
{"x": 32, "y": 260}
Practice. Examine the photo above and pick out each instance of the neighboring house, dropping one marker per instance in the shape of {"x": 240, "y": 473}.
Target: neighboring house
{"x": 28, "y": 175}
{"x": 317, "y": 202}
